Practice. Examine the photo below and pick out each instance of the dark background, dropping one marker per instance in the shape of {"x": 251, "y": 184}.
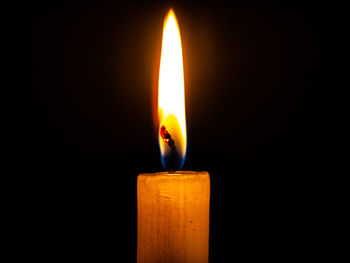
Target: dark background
{"x": 267, "y": 112}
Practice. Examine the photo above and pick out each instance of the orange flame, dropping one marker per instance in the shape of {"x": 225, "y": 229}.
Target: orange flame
{"x": 171, "y": 97}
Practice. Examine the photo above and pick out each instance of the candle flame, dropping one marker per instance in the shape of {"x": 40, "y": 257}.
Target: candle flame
{"x": 172, "y": 134}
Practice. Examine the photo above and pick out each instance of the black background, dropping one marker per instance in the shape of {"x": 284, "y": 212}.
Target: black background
{"x": 267, "y": 113}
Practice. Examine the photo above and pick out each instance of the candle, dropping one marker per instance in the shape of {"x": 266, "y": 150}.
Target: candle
{"x": 173, "y": 206}
{"x": 173, "y": 217}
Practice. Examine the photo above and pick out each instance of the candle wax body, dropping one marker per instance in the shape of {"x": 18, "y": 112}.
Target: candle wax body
{"x": 173, "y": 217}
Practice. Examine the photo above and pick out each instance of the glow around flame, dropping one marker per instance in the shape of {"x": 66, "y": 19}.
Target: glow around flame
{"x": 171, "y": 97}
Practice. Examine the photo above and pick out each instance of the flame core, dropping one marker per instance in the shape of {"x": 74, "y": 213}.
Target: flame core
{"x": 172, "y": 134}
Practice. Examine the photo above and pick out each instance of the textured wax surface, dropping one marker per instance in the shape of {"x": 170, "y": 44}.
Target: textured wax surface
{"x": 173, "y": 217}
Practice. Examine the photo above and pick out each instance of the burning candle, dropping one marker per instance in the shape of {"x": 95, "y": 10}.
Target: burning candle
{"x": 173, "y": 206}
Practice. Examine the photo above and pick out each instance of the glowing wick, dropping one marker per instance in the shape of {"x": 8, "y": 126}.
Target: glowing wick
{"x": 166, "y": 136}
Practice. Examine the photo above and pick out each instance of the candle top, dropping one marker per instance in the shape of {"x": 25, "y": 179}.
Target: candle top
{"x": 176, "y": 174}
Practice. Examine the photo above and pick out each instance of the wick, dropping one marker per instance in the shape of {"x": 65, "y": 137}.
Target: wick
{"x": 166, "y": 137}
